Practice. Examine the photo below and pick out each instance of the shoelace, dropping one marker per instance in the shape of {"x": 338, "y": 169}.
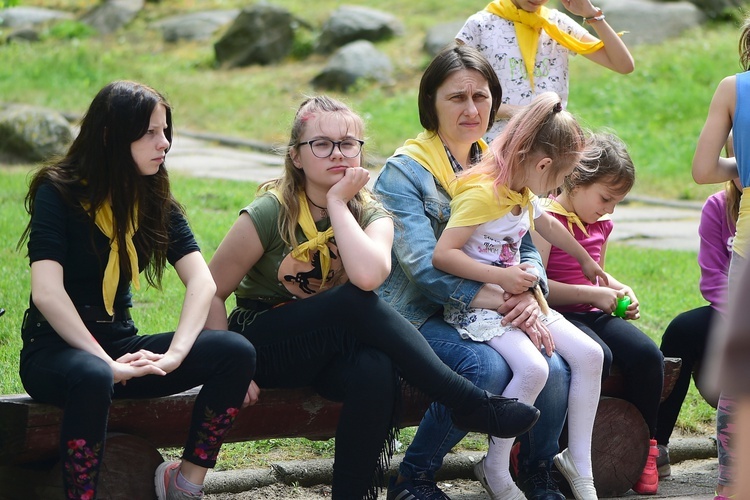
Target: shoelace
{"x": 428, "y": 490}
{"x": 494, "y": 417}
{"x": 542, "y": 480}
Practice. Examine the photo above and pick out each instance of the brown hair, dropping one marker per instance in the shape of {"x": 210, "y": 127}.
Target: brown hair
{"x": 608, "y": 162}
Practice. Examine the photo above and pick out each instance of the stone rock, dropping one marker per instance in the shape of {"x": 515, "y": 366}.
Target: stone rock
{"x": 33, "y": 133}
{"x": 17, "y": 17}
{"x": 441, "y": 35}
{"x": 112, "y": 15}
{"x": 262, "y": 34}
{"x": 353, "y": 61}
{"x": 350, "y": 23}
{"x": 196, "y": 25}
{"x": 650, "y": 22}
{"x": 716, "y": 8}
{"x": 23, "y": 35}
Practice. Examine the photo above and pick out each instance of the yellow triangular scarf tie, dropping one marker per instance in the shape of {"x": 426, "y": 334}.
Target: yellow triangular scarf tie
{"x": 478, "y": 201}
{"x": 528, "y": 26}
{"x": 104, "y": 220}
{"x": 554, "y": 206}
{"x": 316, "y": 240}
{"x": 428, "y": 150}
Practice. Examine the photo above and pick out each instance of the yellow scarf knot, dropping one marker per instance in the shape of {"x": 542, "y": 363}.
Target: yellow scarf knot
{"x": 317, "y": 241}
{"x": 104, "y": 220}
{"x": 554, "y": 206}
{"x": 528, "y": 26}
{"x": 428, "y": 150}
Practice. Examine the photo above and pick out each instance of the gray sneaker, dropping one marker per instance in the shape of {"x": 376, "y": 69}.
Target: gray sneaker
{"x": 165, "y": 481}
{"x": 662, "y": 462}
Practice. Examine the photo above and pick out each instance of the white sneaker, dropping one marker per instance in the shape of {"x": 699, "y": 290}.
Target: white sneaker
{"x": 582, "y": 487}
{"x": 512, "y": 492}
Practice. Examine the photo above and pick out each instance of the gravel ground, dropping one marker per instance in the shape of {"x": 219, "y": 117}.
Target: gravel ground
{"x": 693, "y": 479}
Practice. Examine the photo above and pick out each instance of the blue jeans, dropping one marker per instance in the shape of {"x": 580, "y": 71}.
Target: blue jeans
{"x": 483, "y": 366}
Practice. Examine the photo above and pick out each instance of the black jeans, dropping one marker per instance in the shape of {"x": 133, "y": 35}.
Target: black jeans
{"x": 350, "y": 345}
{"x": 82, "y": 385}
{"x": 638, "y": 357}
{"x": 686, "y": 337}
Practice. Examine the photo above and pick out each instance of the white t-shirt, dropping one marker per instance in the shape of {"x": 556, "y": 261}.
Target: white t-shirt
{"x": 495, "y": 38}
{"x": 498, "y": 242}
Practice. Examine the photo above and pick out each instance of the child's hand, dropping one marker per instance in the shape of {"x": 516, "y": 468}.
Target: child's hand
{"x": 592, "y": 271}
{"x": 634, "y": 310}
{"x": 515, "y": 279}
{"x": 605, "y": 298}
{"x": 582, "y": 8}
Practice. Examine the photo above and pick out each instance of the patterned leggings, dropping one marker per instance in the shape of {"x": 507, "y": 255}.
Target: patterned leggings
{"x": 82, "y": 385}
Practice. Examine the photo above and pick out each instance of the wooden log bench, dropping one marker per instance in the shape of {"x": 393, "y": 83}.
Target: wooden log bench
{"x": 29, "y": 434}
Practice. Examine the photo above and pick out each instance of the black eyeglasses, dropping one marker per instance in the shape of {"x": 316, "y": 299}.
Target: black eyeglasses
{"x": 323, "y": 148}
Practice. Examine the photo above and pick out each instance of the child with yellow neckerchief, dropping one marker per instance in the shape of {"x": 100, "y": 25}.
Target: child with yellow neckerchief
{"x": 588, "y": 196}
{"x": 528, "y": 46}
{"x": 493, "y": 208}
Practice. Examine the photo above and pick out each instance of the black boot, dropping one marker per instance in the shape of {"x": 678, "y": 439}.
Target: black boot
{"x": 497, "y": 416}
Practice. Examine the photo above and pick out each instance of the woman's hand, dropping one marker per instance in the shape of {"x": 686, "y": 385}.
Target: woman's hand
{"x": 354, "y": 179}
{"x": 136, "y": 364}
{"x": 252, "y": 395}
{"x": 522, "y": 311}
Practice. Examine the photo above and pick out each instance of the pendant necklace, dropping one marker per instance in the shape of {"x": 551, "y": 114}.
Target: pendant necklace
{"x": 323, "y": 210}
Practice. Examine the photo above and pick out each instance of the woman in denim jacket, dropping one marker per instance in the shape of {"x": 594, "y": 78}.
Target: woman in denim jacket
{"x": 458, "y": 97}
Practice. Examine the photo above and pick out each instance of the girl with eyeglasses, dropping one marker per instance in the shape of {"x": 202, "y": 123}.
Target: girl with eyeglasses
{"x": 303, "y": 261}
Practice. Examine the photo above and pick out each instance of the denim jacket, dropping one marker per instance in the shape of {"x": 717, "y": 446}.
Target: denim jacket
{"x": 421, "y": 209}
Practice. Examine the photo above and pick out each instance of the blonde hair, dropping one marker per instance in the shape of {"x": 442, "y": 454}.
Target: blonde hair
{"x": 543, "y": 127}
{"x": 292, "y": 181}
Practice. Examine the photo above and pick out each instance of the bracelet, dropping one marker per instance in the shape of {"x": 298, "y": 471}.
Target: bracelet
{"x": 598, "y": 17}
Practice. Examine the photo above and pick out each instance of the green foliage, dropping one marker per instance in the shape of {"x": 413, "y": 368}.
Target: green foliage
{"x": 69, "y": 30}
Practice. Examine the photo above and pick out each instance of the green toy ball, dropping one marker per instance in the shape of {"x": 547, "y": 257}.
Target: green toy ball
{"x": 622, "y": 306}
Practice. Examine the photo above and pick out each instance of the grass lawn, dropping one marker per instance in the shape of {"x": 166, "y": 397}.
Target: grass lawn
{"x": 658, "y": 110}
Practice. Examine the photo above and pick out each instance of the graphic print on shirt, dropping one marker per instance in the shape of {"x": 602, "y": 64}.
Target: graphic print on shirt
{"x": 303, "y": 279}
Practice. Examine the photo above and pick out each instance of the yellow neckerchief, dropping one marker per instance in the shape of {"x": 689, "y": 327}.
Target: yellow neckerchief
{"x": 478, "y": 201}
{"x": 428, "y": 150}
{"x": 316, "y": 240}
{"x": 742, "y": 233}
{"x": 104, "y": 220}
{"x": 528, "y": 26}
{"x": 552, "y": 205}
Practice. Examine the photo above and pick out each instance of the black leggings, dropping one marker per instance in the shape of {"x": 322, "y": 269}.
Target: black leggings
{"x": 82, "y": 385}
{"x": 686, "y": 338}
{"x": 638, "y": 357}
{"x": 349, "y": 345}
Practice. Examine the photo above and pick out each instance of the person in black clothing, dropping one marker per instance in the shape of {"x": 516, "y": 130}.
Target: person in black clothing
{"x": 99, "y": 216}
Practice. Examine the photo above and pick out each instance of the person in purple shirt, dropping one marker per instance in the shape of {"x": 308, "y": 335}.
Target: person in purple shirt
{"x": 687, "y": 335}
